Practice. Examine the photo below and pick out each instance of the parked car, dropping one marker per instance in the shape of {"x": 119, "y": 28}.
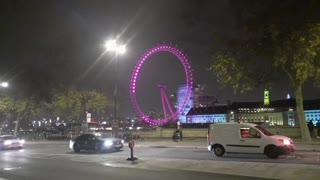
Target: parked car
{"x": 246, "y": 138}
{"x": 97, "y": 143}
{"x": 10, "y": 142}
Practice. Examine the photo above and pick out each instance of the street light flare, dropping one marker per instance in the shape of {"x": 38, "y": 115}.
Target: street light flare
{"x": 111, "y": 45}
{"x": 121, "y": 49}
{"x": 4, "y": 84}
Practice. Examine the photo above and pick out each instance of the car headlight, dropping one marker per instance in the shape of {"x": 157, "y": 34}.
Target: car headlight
{"x": 22, "y": 141}
{"x": 122, "y": 141}
{"x": 108, "y": 143}
{"x": 8, "y": 142}
{"x": 285, "y": 141}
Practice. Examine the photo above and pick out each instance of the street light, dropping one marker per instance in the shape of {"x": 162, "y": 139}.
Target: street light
{"x": 112, "y": 46}
{"x": 4, "y": 84}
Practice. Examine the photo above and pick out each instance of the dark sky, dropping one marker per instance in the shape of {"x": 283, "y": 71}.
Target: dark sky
{"x": 48, "y": 43}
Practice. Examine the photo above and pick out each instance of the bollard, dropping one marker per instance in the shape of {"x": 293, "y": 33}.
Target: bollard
{"x": 131, "y": 146}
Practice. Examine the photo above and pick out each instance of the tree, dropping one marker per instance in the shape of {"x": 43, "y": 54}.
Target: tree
{"x": 269, "y": 46}
{"x": 298, "y": 56}
{"x": 7, "y": 107}
{"x": 19, "y": 110}
{"x": 73, "y": 104}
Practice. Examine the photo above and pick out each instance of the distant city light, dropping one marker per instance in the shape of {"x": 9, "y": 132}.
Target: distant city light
{"x": 288, "y": 96}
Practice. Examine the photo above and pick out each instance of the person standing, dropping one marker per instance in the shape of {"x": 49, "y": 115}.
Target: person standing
{"x": 318, "y": 127}
{"x": 311, "y": 127}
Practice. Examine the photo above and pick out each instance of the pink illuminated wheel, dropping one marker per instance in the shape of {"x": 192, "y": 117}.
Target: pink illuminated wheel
{"x": 135, "y": 78}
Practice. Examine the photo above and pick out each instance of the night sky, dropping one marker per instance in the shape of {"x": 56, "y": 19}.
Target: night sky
{"x": 46, "y": 44}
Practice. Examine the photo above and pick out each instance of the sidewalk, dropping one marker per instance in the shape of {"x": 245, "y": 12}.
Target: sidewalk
{"x": 202, "y": 143}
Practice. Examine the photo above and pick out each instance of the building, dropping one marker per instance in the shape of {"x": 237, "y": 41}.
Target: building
{"x": 204, "y": 115}
{"x": 174, "y": 100}
{"x": 276, "y": 113}
{"x": 279, "y": 112}
{"x": 198, "y": 99}
{"x": 203, "y": 109}
{"x": 201, "y": 97}
{"x": 181, "y": 97}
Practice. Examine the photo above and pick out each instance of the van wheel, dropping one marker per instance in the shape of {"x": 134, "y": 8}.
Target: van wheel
{"x": 218, "y": 150}
{"x": 272, "y": 152}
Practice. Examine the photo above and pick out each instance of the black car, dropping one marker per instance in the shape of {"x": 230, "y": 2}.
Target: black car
{"x": 97, "y": 143}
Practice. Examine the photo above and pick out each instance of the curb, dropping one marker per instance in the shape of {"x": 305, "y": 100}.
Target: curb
{"x": 204, "y": 147}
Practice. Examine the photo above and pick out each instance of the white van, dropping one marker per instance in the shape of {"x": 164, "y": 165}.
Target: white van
{"x": 246, "y": 138}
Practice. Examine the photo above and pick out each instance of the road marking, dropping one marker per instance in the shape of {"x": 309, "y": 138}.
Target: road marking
{"x": 3, "y": 179}
{"x": 11, "y": 168}
{"x": 95, "y": 158}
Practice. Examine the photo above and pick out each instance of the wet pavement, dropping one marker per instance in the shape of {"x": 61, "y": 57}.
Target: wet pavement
{"x": 55, "y": 157}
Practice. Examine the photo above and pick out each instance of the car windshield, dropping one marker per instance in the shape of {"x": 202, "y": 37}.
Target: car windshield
{"x": 264, "y": 131}
{"x": 103, "y": 136}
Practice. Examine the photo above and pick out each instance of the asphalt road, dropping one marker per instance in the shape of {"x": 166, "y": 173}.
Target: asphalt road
{"x": 40, "y": 169}
{"x": 56, "y": 161}
{"x": 298, "y": 157}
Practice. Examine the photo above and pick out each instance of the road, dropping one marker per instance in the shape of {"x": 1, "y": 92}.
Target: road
{"x": 61, "y": 149}
{"x": 56, "y": 161}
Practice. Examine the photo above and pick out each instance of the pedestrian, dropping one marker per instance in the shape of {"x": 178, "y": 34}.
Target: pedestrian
{"x": 318, "y": 127}
{"x": 310, "y": 127}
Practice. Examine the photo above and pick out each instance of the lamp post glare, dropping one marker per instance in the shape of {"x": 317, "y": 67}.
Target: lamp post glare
{"x": 4, "y": 84}
{"x": 112, "y": 46}
{"x": 121, "y": 49}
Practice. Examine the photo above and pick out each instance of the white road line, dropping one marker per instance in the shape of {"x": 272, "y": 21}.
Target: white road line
{"x": 11, "y": 168}
{"x": 3, "y": 179}
{"x": 72, "y": 157}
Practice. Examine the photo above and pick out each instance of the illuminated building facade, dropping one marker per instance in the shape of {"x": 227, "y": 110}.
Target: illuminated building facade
{"x": 280, "y": 112}
{"x": 198, "y": 99}
{"x": 181, "y": 96}
{"x": 204, "y": 115}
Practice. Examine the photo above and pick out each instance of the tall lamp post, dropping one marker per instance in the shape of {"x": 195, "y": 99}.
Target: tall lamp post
{"x": 117, "y": 49}
{"x": 5, "y": 85}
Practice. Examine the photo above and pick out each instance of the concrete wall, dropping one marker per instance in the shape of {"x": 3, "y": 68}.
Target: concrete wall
{"x": 293, "y": 132}
{"x": 168, "y": 132}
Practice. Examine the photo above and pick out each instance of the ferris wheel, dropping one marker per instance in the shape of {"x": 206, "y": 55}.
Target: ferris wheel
{"x": 170, "y": 114}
